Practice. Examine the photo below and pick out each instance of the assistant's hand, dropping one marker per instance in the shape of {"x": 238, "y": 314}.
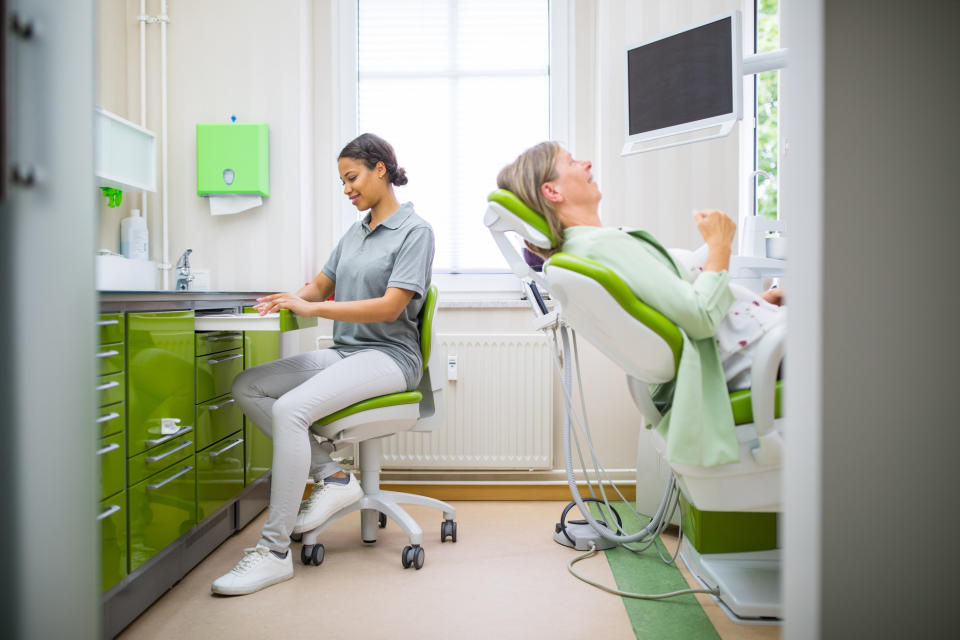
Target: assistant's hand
{"x": 716, "y": 228}
{"x": 277, "y": 301}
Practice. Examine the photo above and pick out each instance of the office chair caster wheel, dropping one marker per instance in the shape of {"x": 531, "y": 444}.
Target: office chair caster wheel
{"x": 296, "y": 537}
{"x": 448, "y": 528}
{"x": 312, "y": 554}
{"x": 412, "y": 557}
{"x": 383, "y": 521}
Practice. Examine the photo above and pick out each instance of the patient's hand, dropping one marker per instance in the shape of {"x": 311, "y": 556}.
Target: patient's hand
{"x": 773, "y": 296}
{"x": 716, "y": 227}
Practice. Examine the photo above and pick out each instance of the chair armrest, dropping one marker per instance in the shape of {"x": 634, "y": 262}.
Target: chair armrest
{"x": 763, "y": 377}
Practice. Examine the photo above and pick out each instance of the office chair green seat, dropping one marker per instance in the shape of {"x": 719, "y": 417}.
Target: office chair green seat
{"x": 365, "y": 424}
{"x": 729, "y": 511}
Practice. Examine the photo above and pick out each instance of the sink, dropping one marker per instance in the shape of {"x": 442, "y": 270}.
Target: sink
{"x": 116, "y": 273}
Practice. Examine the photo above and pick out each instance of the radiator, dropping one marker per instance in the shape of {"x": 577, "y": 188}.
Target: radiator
{"x": 498, "y": 413}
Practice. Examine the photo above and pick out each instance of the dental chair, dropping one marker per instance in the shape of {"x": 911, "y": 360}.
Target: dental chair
{"x": 728, "y": 512}
{"x": 365, "y": 424}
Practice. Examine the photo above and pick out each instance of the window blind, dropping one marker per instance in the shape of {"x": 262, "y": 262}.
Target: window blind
{"x": 459, "y": 88}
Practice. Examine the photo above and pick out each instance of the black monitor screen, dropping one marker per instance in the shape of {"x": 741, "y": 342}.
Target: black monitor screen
{"x": 682, "y": 78}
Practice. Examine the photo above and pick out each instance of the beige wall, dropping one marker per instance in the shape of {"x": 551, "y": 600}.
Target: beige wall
{"x": 242, "y": 57}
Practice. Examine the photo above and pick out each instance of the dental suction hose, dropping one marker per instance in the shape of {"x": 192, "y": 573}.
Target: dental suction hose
{"x": 654, "y": 525}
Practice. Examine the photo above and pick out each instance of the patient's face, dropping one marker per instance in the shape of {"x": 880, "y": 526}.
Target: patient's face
{"x": 360, "y": 184}
{"x": 575, "y": 182}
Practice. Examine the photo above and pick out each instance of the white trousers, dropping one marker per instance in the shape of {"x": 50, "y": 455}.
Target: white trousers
{"x": 284, "y": 398}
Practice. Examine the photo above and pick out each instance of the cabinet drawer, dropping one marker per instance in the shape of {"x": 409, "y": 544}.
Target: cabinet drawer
{"x": 215, "y": 373}
{"x": 111, "y": 327}
{"x": 219, "y": 474}
{"x": 162, "y": 508}
{"x": 216, "y": 419}
{"x": 155, "y": 459}
{"x": 216, "y": 341}
{"x": 110, "y": 358}
{"x": 110, "y": 461}
{"x": 160, "y": 375}
{"x": 258, "y": 454}
{"x": 112, "y": 520}
{"x": 110, "y": 419}
{"x": 110, "y": 389}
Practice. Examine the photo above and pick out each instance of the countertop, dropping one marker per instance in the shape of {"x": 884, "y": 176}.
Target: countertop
{"x": 118, "y": 301}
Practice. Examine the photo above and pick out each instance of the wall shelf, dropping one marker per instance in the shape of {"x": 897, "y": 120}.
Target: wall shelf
{"x": 125, "y": 154}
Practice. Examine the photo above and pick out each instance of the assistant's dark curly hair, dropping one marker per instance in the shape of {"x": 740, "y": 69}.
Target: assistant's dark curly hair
{"x": 371, "y": 149}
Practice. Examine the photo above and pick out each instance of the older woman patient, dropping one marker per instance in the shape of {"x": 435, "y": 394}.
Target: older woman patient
{"x": 721, "y": 322}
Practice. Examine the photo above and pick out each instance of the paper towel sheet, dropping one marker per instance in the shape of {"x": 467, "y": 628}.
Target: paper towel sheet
{"x": 223, "y": 205}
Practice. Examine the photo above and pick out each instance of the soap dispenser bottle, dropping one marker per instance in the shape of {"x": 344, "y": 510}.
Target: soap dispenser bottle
{"x": 134, "y": 237}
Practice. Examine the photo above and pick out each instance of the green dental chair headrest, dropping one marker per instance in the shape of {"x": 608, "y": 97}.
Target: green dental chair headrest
{"x": 515, "y": 205}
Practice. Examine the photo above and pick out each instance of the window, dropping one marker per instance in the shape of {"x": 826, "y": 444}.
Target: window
{"x": 767, "y": 136}
{"x": 459, "y": 88}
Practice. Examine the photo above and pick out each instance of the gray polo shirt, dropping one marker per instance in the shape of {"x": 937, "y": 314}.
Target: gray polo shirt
{"x": 398, "y": 252}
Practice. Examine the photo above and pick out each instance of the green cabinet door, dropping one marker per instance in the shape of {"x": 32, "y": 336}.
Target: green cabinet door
{"x": 160, "y": 377}
{"x": 112, "y": 521}
{"x": 162, "y": 508}
{"x": 259, "y": 347}
{"x": 219, "y": 474}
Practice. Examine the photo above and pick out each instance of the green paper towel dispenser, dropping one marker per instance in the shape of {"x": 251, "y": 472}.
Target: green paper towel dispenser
{"x": 233, "y": 158}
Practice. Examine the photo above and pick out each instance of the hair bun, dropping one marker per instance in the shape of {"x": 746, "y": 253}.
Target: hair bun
{"x": 399, "y": 177}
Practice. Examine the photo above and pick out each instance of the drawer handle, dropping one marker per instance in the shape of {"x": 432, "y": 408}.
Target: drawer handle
{"x": 107, "y": 354}
{"x": 113, "y": 446}
{"x": 233, "y": 357}
{"x": 108, "y": 385}
{"x": 214, "y": 407}
{"x": 107, "y": 323}
{"x": 108, "y": 417}
{"x": 182, "y": 431}
{"x": 112, "y": 509}
{"x": 226, "y": 336}
{"x": 153, "y": 487}
{"x": 152, "y": 459}
{"x": 229, "y": 446}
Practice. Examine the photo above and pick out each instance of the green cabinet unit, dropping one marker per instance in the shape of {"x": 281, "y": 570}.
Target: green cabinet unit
{"x": 160, "y": 377}
{"x": 216, "y": 419}
{"x": 110, "y": 389}
{"x": 259, "y": 347}
{"x": 112, "y": 521}
{"x": 110, "y": 419}
{"x": 154, "y": 460}
{"x": 111, "y": 451}
{"x": 111, "y": 457}
{"x": 110, "y": 326}
{"x": 215, "y": 373}
{"x": 162, "y": 508}
{"x": 110, "y": 358}
{"x": 219, "y": 474}
{"x": 216, "y": 341}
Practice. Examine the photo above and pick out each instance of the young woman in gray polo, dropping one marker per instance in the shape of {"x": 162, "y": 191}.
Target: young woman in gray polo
{"x": 378, "y": 275}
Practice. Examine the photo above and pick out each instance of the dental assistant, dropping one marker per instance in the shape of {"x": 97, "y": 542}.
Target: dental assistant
{"x": 378, "y": 274}
{"x": 721, "y": 323}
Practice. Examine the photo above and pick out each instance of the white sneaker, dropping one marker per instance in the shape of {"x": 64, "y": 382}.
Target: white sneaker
{"x": 327, "y": 498}
{"x": 257, "y": 570}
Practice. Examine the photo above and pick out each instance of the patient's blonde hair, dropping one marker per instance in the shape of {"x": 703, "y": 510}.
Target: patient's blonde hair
{"x": 524, "y": 176}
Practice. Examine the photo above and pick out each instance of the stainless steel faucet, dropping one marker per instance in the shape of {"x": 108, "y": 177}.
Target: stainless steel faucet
{"x": 184, "y": 277}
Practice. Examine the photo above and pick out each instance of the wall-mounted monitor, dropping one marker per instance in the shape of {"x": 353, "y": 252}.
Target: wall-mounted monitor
{"x": 684, "y": 87}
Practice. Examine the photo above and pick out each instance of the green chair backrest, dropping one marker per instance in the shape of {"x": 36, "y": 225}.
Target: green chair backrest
{"x": 427, "y": 314}
{"x": 516, "y": 206}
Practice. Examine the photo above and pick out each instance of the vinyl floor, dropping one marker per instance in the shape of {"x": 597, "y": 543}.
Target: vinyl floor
{"x": 504, "y": 578}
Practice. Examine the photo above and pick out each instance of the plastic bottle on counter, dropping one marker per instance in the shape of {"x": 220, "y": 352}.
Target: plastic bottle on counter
{"x": 134, "y": 237}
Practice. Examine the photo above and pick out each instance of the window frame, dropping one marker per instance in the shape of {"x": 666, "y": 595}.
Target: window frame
{"x": 469, "y": 283}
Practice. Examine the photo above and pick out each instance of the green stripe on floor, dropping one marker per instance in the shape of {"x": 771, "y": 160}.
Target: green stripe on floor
{"x": 681, "y": 617}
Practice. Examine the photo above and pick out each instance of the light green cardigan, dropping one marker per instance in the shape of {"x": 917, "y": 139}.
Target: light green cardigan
{"x": 698, "y": 426}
